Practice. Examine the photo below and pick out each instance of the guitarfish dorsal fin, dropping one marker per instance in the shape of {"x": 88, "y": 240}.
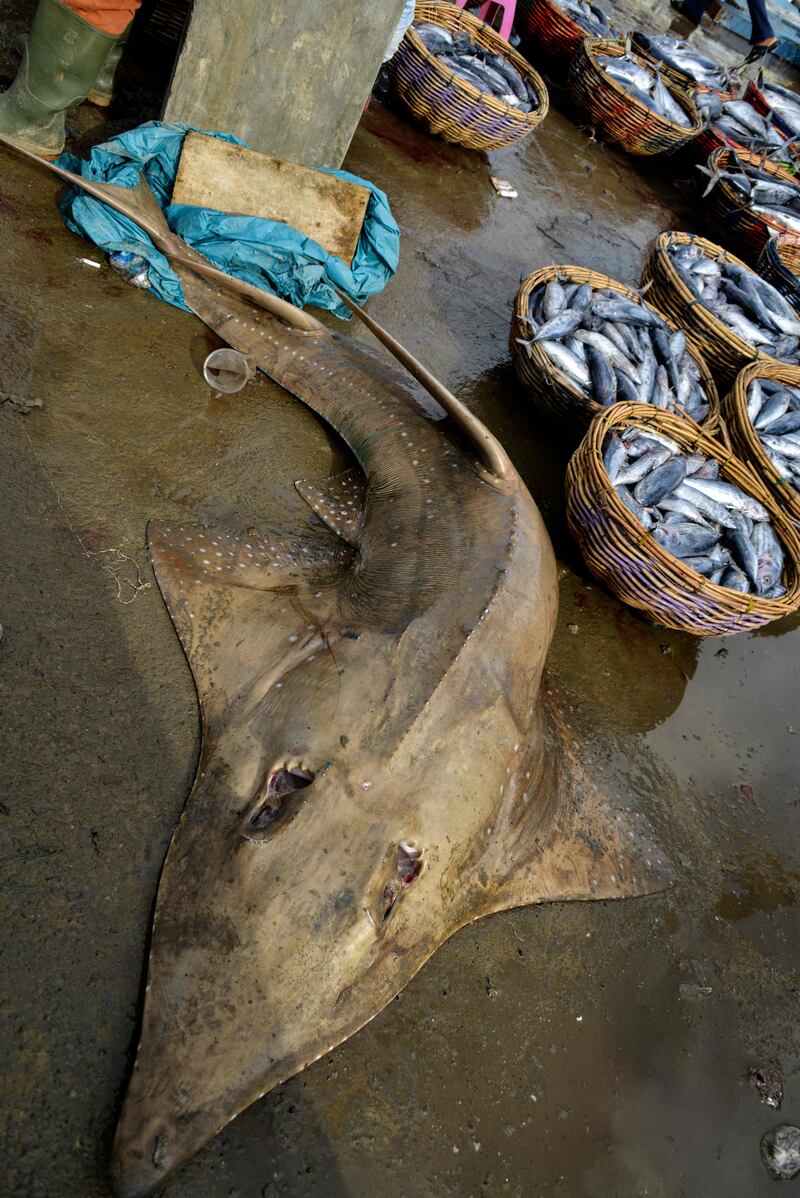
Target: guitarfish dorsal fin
{"x": 338, "y": 501}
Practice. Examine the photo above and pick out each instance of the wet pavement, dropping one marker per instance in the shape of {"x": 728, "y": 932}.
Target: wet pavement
{"x": 596, "y": 1050}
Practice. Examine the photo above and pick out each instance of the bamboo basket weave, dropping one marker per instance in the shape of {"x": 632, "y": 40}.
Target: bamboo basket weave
{"x": 747, "y": 231}
{"x": 725, "y": 350}
{"x": 773, "y": 265}
{"x": 745, "y": 438}
{"x": 548, "y": 30}
{"x": 711, "y": 140}
{"x": 451, "y": 107}
{"x": 640, "y": 43}
{"x": 548, "y": 388}
{"x": 635, "y": 567}
{"x": 620, "y": 117}
{"x": 758, "y": 100}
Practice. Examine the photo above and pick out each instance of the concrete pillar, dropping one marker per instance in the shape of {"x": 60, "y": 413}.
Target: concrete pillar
{"x": 289, "y": 76}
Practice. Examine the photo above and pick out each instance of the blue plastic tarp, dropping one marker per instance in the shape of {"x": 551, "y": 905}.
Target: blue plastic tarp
{"x": 266, "y": 253}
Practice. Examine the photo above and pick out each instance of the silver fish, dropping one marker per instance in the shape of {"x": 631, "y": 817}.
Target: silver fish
{"x": 642, "y": 466}
{"x": 561, "y": 357}
{"x": 685, "y": 540}
{"x": 614, "y": 456}
{"x": 708, "y": 507}
{"x": 729, "y": 495}
{"x": 735, "y": 580}
{"x": 660, "y": 482}
{"x": 769, "y": 557}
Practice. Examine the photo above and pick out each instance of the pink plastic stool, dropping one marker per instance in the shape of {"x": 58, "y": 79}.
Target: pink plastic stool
{"x": 490, "y": 10}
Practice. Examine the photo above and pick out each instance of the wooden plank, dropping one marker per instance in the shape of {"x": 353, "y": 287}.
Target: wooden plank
{"x": 290, "y": 77}
{"x": 217, "y": 174}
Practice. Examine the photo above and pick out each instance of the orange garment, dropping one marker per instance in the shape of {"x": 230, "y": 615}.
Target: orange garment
{"x": 112, "y": 16}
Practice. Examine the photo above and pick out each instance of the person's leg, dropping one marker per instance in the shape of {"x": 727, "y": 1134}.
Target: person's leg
{"x": 763, "y": 34}
{"x": 112, "y": 16}
{"x": 693, "y": 10}
{"x": 102, "y": 94}
{"x": 62, "y": 59}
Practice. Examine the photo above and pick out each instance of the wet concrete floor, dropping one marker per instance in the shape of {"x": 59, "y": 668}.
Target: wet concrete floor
{"x": 595, "y": 1050}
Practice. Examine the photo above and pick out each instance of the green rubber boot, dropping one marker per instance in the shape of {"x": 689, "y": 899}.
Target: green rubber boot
{"x": 62, "y": 59}
{"x": 102, "y": 94}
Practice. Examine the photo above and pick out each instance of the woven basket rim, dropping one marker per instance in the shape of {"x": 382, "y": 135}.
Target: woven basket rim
{"x": 691, "y": 437}
{"x": 659, "y": 252}
{"x": 718, "y": 157}
{"x": 584, "y": 274}
{"x": 772, "y": 249}
{"x": 489, "y": 39}
{"x": 754, "y": 90}
{"x": 723, "y": 141}
{"x": 668, "y": 71}
{"x": 591, "y": 47}
{"x": 691, "y": 86}
{"x": 555, "y": 9}
{"x": 728, "y": 143}
{"x": 759, "y": 160}
{"x": 736, "y": 406}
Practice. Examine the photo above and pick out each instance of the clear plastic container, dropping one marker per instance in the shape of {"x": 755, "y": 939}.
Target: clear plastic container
{"x": 131, "y": 267}
{"x": 227, "y": 370}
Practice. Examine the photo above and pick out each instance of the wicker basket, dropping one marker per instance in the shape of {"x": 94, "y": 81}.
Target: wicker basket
{"x": 745, "y": 439}
{"x": 631, "y": 562}
{"x": 451, "y": 107}
{"x": 547, "y": 30}
{"x": 711, "y": 140}
{"x": 640, "y": 43}
{"x": 725, "y": 351}
{"x": 736, "y": 224}
{"x": 758, "y": 101}
{"x": 548, "y": 388}
{"x": 773, "y": 265}
{"x": 620, "y": 117}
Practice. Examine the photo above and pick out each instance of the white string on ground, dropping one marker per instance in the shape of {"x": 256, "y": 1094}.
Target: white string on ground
{"x": 112, "y": 561}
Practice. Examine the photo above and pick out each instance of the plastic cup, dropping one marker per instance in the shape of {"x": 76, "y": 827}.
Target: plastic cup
{"x": 227, "y": 370}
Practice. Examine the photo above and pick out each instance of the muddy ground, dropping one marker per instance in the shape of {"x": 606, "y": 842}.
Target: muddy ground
{"x": 590, "y": 1050}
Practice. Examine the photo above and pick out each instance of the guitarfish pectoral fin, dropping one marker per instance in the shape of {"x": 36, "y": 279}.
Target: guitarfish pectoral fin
{"x": 244, "y": 605}
{"x": 581, "y": 846}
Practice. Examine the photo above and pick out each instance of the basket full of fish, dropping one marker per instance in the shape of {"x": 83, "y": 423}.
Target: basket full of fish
{"x": 627, "y": 99}
{"x": 462, "y": 81}
{"x": 781, "y": 104}
{"x": 678, "y": 527}
{"x": 763, "y": 410}
{"x": 730, "y": 315}
{"x": 581, "y": 341}
{"x": 750, "y": 199}
{"x": 732, "y": 123}
{"x": 557, "y": 29}
{"x": 680, "y": 62}
{"x": 774, "y": 266}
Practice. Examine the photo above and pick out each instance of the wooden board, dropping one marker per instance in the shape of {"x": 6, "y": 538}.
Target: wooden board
{"x": 217, "y": 174}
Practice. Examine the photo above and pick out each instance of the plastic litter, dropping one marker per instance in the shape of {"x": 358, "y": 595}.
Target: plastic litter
{"x": 699, "y": 988}
{"x": 767, "y": 1081}
{"x": 504, "y": 188}
{"x": 780, "y": 1152}
{"x": 131, "y": 267}
{"x": 227, "y": 370}
{"x": 268, "y": 254}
